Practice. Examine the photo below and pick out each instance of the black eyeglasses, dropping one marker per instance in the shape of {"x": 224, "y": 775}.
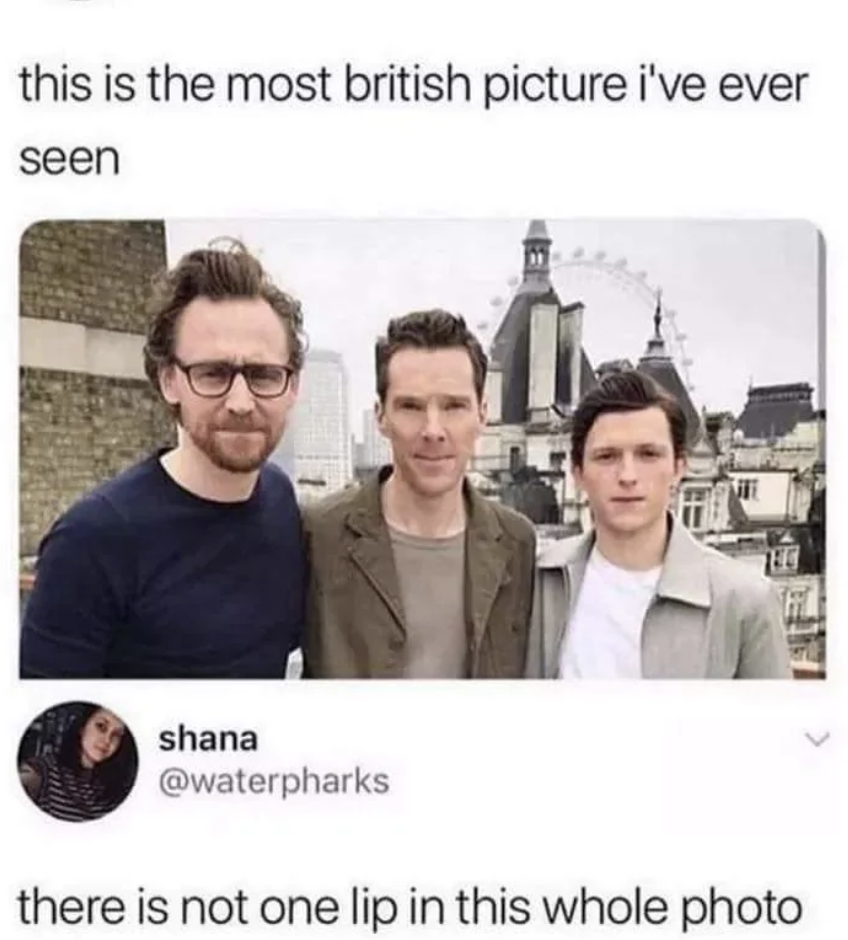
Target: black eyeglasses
{"x": 215, "y": 379}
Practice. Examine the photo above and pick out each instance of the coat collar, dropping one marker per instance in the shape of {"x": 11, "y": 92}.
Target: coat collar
{"x": 684, "y": 576}
{"x": 486, "y": 561}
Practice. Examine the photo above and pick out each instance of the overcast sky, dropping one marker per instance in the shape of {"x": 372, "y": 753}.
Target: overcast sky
{"x": 745, "y": 293}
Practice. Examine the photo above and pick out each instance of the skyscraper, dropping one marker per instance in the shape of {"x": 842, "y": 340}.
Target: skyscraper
{"x": 320, "y": 427}
{"x": 376, "y": 450}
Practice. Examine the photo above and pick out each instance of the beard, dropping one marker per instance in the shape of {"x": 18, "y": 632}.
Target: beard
{"x": 235, "y": 446}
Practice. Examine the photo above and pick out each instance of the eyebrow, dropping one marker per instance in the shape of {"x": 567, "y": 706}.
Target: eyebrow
{"x": 234, "y": 362}
{"x": 617, "y": 448}
{"x": 422, "y": 399}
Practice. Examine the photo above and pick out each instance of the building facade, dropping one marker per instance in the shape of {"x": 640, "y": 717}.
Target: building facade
{"x": 316, "y": 450}
{"x": 376, "y": 450}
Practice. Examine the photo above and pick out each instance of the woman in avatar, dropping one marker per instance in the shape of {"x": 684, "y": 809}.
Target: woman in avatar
{"x": 90, "y": 774}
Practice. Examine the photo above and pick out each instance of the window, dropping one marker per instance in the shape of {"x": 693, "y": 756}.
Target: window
{"x": 784, "y": 558}
{"x": 798, "y": 650}
{"x": 796, "y": 603}
{"x": 694, "y": 508}
{"x": 746, "y": 489}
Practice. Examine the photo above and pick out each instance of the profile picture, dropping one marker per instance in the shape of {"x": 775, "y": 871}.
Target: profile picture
{"x": 77, "y": 761}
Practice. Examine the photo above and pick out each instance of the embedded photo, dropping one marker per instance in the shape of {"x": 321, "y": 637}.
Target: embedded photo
{"x": 400, "y": 449}
{"x": 77, "y": 761}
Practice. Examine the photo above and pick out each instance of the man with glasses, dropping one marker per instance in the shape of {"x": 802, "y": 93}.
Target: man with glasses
{"x": 191, "y": 563}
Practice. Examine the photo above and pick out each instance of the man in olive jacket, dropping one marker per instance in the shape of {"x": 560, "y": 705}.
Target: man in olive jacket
{"x": 415, "y": 574}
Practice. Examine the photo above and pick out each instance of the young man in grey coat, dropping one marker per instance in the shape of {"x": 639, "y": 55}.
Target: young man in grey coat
{"x": 639, "y": 597}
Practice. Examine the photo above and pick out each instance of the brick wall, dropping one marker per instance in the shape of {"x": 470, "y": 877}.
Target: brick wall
{"x": 93, "y": 273}
{"x": 76, "y": 429}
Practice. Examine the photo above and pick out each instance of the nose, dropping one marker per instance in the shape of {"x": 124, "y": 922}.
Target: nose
{"x": 433, "y": 427}
{"x": 627, "y": 470}
{"x": 240, "y": 399}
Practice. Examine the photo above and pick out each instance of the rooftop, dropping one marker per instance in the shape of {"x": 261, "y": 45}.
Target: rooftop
{"x": 773, "y": 411}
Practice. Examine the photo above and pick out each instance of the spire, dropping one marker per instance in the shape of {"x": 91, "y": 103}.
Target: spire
{"x": 656, "y": 344}
{"x": 537, "y": 258}
{"x": 657, "y": 362}
{"x": 658, "y": 316}
{"x": 537, "y": 231}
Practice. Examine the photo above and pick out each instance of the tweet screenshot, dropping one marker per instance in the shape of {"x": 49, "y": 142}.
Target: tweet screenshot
{"x": 419, "y": 469}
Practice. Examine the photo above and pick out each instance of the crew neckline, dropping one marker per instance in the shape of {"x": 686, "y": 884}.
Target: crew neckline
{"x": 424, "y": 541}
{"x": 178, "y": 489}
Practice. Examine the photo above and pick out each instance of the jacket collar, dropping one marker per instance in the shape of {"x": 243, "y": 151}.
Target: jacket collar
{"x": 365, "y": 516}
{"x": 685, "y": 573}
{"x": 486, "y": 559}
{"x": 684, "y": 576}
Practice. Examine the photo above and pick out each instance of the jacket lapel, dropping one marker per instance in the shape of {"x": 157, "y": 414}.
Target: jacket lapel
{"x": 486, "y": 563}
{"x": 374, "y": 558}
{"x": 372, "y": 551}
{"x": 685, "y": 576}
{"x": 486, "y": 560}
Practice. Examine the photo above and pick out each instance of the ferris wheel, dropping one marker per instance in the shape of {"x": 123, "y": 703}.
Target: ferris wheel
{"x": 567, "y": 273}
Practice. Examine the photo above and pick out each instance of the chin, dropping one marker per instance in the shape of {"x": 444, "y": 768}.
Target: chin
{"x": 628, "y": 523}
{"x": 430, "y": 486}
{"x": 239, "y": 459}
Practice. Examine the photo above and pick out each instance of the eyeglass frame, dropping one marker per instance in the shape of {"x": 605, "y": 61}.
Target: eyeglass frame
{"x": 186, "y": 367}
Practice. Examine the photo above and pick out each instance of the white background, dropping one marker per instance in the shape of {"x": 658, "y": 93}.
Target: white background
{"x": 533, "y": 787}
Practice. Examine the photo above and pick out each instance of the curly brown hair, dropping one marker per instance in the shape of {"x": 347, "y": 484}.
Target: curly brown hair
{"x": 219, "y": 274}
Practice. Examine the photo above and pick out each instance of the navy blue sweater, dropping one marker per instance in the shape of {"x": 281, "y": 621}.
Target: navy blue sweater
{"x": 142, "y": 579}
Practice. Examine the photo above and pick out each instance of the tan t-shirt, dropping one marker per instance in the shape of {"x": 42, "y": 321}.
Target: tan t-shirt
{"x": 431, "y": 573}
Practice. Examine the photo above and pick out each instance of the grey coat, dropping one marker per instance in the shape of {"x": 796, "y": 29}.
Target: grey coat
{"x": 713, "y": 617}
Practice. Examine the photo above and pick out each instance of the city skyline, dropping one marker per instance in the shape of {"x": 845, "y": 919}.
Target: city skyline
{"x": 745, "y": 294}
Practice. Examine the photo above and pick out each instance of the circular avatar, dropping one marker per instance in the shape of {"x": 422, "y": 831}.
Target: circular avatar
{"x": 77, "y": 761}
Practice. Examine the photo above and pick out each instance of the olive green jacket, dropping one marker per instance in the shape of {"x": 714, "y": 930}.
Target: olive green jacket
{"x": 355, "y": 623}
{"x": 713, "y": 617}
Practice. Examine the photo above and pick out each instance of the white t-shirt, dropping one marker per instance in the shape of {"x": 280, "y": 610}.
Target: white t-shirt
{"x": 604, "y": 637}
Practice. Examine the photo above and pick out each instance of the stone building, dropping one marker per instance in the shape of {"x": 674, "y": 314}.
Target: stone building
{"x": 86, "y": 409}
{"x": 538, "y": 372}
{"x": 776, "y": 461}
